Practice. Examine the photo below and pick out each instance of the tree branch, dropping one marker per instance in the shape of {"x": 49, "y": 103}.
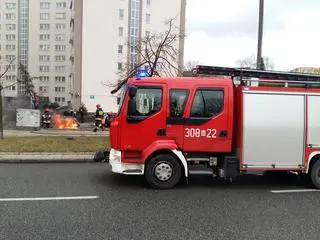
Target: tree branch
{"x": 7, "y": 68}
{"x": 152, "y": 49}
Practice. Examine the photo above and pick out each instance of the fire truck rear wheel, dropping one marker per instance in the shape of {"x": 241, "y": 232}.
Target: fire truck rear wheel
{"x": 163, "y": 172}
{"x": 315, "y": 174}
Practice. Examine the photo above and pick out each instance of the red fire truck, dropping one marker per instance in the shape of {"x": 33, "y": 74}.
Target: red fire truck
{"x": 220, "y": 122}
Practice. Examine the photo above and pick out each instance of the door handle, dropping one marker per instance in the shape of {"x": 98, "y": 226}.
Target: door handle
{"x": 223, "y": 133}
{"x": 161, "y": 132}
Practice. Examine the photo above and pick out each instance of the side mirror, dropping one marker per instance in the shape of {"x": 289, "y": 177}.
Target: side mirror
{"x": 132, "y": 91}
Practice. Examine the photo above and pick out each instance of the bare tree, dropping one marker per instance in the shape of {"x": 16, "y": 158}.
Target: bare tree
{"x": 24, "y": 80}
{"x": 157, "y": 53}
{"x": 251, "y": 62}
{"x": 2, "y": 86}
{"x": 189, "y": 65}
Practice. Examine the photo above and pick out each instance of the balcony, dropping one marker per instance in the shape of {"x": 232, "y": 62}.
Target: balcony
{"x": 71, "y": 40}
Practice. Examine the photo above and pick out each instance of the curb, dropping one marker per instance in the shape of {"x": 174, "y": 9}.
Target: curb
{"x": 75, "y": 133}
{"x": 51, "y": 157}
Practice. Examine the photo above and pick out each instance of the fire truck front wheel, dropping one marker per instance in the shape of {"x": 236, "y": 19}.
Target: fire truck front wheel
{"x": 315, "y": 174}
{"x": 163, "y": 172}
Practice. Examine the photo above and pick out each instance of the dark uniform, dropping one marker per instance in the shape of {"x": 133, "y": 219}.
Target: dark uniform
{"x": 98, "y": 117}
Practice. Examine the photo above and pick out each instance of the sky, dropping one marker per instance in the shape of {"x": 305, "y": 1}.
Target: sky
{"x": 221, "y": 32}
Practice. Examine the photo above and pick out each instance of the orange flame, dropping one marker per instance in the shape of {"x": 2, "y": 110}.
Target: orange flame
{"x": 64, "y": 122}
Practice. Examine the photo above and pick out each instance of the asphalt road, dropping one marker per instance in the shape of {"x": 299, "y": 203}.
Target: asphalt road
{"x": 122, "y": 207}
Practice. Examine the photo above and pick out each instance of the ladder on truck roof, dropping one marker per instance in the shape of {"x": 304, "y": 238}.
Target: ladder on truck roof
{"x": 266, "y": 76}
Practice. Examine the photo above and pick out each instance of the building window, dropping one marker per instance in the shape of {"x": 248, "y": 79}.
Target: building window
{"x": 44, "y": 68}
{"x": 60, "y": 47}
{"x": 61, "y": 15}
{"x": 44, "y": 16}
{"x": 44, "y": 58}
{"x": 134, "y": 31}
{"x": 44, "y": 99}
{"x": 120, "y": 29}
{"x": 10, "y": 27}
{"x": 60, "y": 26}
{"x": 60, "y": 37}
{"x": 119, "y": 66}
{"x": 60, "y": 68}
{"x": 59, "y": 99}
{"x": 10, "y": 5}
{"x": 44, "y": 5}
{"x": 148, "y": 2}
{"x": 10, "y": 47}
{"x": 120, "y": 49}
{"x": 44, "y": 78}
{"x": 44, "y": 47}
{"x": 10, "y": 16}
{"x": 11, "y": 68}
{"x": 121, "y": 14}
{"x": 11, "y": 78}
{"x": 61, "y": 4}
{"x": 60, "y": 79}
{"x": 44, "y": 26}
{"x": 10, "y": 58}
{"x": 44, "y": 37}
{"x": 148, "y": 18}
{"x": 60, "y": 58}
{"x": 60, "y": 89}
{"x": 11, "y": 88}
{"x": 43, "y": 89}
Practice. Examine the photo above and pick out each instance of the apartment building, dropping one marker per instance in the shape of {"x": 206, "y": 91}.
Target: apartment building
{"x": 9, "y": 44}
{"x": 49, "y": 49}
{"x": 36, "y": 33}
{"x": 106, "y": 32}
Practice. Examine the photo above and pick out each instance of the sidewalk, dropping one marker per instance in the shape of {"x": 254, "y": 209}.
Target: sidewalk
{"x": 52, "y": 157}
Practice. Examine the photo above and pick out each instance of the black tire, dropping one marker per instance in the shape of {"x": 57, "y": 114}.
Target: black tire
{"x": 306, "y": 180}
{"x": 315, "y": 174}
{"x": 170, "y": 174}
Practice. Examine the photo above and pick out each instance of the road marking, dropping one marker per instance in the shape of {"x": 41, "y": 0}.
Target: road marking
{"x": 47, "y": 198}
{"x": 294, "y": 191}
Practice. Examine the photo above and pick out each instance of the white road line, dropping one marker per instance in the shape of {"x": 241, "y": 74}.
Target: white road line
{"x": 294, "y": 191}
{"x": 47, "y": 198}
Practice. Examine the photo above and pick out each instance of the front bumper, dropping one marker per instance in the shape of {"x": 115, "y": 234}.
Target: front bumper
{"x": 124, "y": 168}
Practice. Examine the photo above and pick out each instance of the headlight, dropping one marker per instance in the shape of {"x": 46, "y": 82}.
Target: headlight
{"x": 115, "y": 156}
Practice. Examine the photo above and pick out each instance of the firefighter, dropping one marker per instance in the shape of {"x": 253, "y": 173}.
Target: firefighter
{"x": 46, "y": 118}
{"x": 98, "y": 117}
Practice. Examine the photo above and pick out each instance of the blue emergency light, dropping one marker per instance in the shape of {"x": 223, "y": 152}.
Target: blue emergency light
{"x": 141, "y": 73}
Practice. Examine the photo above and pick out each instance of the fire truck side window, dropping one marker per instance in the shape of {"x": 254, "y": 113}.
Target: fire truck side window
{"x": 178, "y": 100}
{"x": 146, "y": 102}
{"x": 207, "y": 103}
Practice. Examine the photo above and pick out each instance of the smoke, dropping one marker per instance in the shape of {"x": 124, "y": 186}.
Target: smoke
{"x": 9, "y": 110}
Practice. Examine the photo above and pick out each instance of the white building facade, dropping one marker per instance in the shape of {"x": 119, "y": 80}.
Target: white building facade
{"x": 109, "y": 28}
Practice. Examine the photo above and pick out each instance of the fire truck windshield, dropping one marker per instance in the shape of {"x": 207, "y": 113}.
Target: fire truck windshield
{"x": 122, "y": 96}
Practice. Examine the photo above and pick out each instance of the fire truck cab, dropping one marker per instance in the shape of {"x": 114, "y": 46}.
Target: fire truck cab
{"x": 221, "y": 122}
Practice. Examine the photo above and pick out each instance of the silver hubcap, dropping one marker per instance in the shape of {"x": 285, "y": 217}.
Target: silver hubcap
{"x": 163, "y": 171}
